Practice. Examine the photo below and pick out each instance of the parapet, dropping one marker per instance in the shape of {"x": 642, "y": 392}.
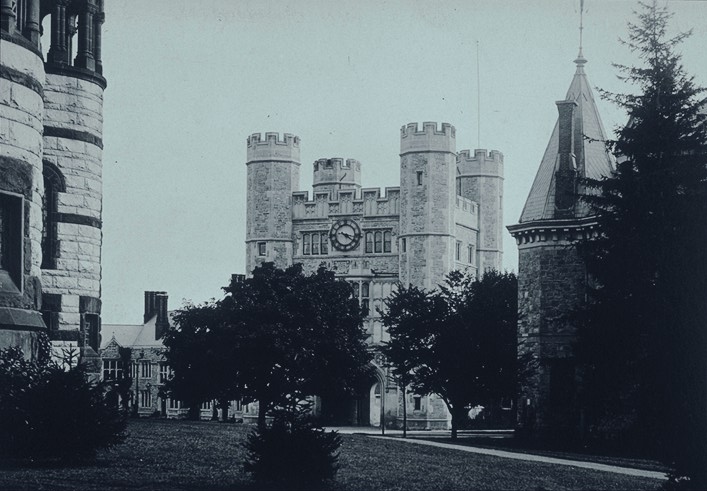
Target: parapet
{"x": 272, "y": 147}
{"x": 430, "y": 138}
{"x": 481, "y": 163}
{"x": 336, "y": 173}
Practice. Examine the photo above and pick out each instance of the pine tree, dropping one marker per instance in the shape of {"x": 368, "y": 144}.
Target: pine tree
{"x": 645, "y": 341}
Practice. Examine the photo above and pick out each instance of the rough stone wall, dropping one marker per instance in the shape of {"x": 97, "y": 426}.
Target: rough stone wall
{"x": 481, "y": 180}
{"x": 273, "y": 174}
{"x": 21, "y": 111}
{"x": 551, "y": 283}
{"x": 73, "y": 131}
{"x": 427, "y": 203}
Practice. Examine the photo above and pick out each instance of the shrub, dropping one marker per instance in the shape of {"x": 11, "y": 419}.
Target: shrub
{"x": 47, "y": 412}
{"x": 294, "y": 451}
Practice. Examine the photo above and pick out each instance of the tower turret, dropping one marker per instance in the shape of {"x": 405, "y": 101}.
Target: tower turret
{"x": 333, "y": 175}
{"x": 480, "y": 179}
{"x": 273, "y": 174}
{"x": 427, "y": 203}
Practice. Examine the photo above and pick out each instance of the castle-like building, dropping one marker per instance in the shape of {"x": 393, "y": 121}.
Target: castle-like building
{"x": 51, "y": 145}
{"x": 552, "y": 277}
{"x": 446, "y": 214}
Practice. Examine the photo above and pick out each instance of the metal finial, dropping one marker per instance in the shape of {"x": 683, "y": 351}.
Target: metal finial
{"x": 580, "y": 61}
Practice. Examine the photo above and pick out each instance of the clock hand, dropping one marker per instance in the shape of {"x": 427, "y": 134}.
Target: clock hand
{"x": 348, "y": 236}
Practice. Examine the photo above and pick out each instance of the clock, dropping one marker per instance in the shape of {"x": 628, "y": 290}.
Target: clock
{"x": 345, "y": 235}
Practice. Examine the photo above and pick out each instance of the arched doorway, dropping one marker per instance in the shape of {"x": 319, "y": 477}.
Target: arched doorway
{"x": 361, "y": 409}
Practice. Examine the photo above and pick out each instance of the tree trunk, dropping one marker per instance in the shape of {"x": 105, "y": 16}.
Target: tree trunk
{"x": 405, "y": 412}
{"x": 457, "y": 418}
{"x": 194, "y": 411}
{"x": 261, "y": 416}
{"x": 224, "y": 410}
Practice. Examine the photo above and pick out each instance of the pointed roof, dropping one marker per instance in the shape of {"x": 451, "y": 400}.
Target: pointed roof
{"x": 593, "y": 159}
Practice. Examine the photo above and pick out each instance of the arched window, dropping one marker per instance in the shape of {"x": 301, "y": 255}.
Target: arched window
{"x": 53, "y": 185}
{"x": 386, "y": 241}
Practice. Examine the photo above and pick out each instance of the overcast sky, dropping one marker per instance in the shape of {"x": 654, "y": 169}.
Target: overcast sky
{"x": 188, "y": 81}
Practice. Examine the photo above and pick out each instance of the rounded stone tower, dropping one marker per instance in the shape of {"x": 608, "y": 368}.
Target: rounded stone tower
{"x": 336, "y": 174}
{"x": 273, "y": 174}
{"x": 73, "y": 150}
{"x": 21, "y": 185}
{"x": 428, "y": 167}
{"x": 480, "y": 179}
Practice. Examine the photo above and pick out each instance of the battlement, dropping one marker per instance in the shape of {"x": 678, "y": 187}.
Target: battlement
{"x": 336, "y": 174}
{"x": 337, "y": 163}
{"x": 272, "y": 147}
{"x": 366, "y": 202}
{"x": 481, "y": 163}
{"x": 430, "y": 138}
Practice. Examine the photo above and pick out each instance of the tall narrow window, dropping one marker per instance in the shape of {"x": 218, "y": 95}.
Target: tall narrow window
{"x": 386, "y": 241}
{"x": 459, "y": 251}
{"x": 369, "y": 242}
{"x": 379, "y": 242}
{"x": 53, "y": 185}
{"x": 10, "y": 242}
{"x": 306, "y": 244}
{"x": 325, "y": 244}
{"x": 419, "y": 178}
{"x": 471, "y": 254}
{"x": 365, "y": 302}
{"x": 403, "y": 245}
{"x": 261, "y": 249}
{"x": 315, "y": 244}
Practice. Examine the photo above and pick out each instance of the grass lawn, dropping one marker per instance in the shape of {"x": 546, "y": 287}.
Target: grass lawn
{"x": 165, "y": 455}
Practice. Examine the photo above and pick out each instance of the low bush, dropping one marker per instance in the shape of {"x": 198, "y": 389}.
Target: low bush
{"x": 47, "y": 412}
{"x": 294, "y": 451}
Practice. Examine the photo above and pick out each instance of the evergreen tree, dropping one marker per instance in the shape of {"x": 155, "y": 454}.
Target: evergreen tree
{"x": 644, "y": 342}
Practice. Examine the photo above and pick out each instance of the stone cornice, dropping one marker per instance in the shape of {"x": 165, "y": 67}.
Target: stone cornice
{"x": 561, "y": 231}
{"x": 75, "y": 72}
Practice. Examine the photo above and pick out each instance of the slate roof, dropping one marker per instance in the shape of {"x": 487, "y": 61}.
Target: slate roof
{"x": 593, "y": 160}
{"x": 132, "y": 336}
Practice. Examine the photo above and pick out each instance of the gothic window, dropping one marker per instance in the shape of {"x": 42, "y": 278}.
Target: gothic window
{"x": 145, "y": 369}
{"x": 145, "y": 398}
{"x": 325, "y": 244}
{"x": 306, "y": 244}
{"x": 386, "y": 241}
{"x": 164, "y": 372}
{"x": 365, "y": 290}
{"x": 53, "y": 185}
{"x": 112, "y": 370}
{"x": 10, "y": 242}
{"x": 369, "y": 242}
{"x": 379, "y": 242}
{"x": 315, "y": 244}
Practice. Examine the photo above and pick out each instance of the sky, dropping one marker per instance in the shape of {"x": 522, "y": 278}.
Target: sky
{"x": 189, "y": 81}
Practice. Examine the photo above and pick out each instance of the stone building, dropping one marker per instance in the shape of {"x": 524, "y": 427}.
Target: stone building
{"x": 50, "y": 175}
{"x": 446, "y": 214}
{"x": 552, "y": 278}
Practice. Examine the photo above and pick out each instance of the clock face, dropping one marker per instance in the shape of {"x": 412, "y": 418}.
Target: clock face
{"x": 345, "y": 235}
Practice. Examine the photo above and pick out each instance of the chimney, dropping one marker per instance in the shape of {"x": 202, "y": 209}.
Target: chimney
{"x": 237, "y": 278}
{"x": 149, "y": 306}
{"x": 566, "y": 165}
{"x": 162, "y": 322}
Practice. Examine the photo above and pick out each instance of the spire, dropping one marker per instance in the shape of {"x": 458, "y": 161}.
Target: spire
{"x": 581, "y": 60}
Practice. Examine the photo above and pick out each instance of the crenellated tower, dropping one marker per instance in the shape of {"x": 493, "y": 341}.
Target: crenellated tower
{"x": 336, "y": 174}
{"x": 427, "y": 203}
{"x": 273, "y": 174}
{"x": 480, "y": 179}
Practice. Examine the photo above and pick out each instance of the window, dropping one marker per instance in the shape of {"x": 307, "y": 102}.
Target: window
{"x": 175, "y": 404}
{"x": 306, "y": 241}
{"x": 365, "y": 290}
{"x": 10, "y": 242}
{"x": 459, "y": 251}
{"x": 386, "y": 241}
{"x": 369, "y": 242}
{"x": 419, "y": 178}
{"x": 315, "y": 244}
{"x": 418, "y": 403}
{"x": 92, "y": 328}
{"x": 164, "y": 372}
{"x": 237, "y": 405}
{"x": 112, "y": 370}
{"x": 325, "y": 244}
{"x": 53, "y": 185}
{"x": 145, "y": 369}
{"x": 145, "y": 398}
{"x": 379, "y": 242}
{"x": 261, "y": 248}
{"x": 206, "y": 405}
{"x": 134, "y": 371}
{"x": 471, "y": 255}
{"x": 403, "y": 245}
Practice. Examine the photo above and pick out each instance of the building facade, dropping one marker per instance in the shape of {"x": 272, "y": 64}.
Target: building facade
{"x": 50, "y": 176}
{"x": 446, "y": 214}
{"x": 552, "y": 278}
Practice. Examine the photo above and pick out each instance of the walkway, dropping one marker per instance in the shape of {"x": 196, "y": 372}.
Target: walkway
{"x": 375, "y": 433}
